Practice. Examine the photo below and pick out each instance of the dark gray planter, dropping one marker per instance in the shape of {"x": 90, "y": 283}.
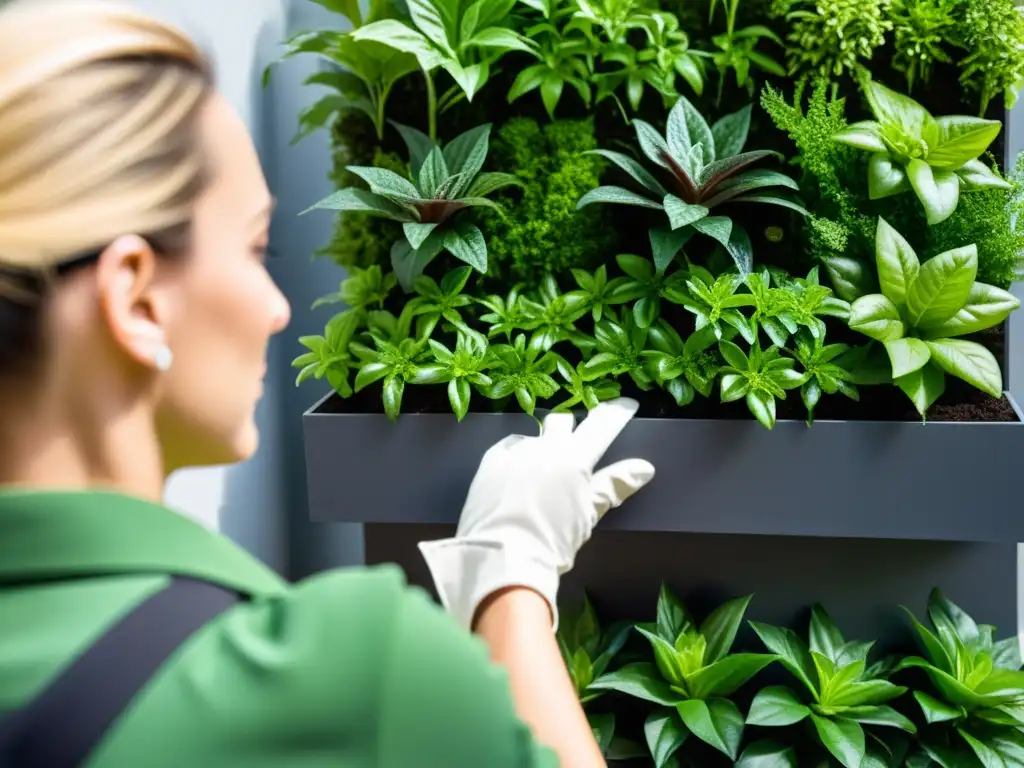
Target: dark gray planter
{"x": 859, "y": 515}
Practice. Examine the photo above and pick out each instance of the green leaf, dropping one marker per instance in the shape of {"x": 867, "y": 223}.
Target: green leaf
{"x": 401, "y": 37}
{"x": 989, "y": 757}
{"x": 433, "y": 173}
{"x": 923, "y": 386}
{"x": 975, "y": 175}
{"x": 434, "y": 20}
{"x": 725, "y": 676}
{"x": 969, "y": 361}
{"x": 897, "y": 263}
{"x": 843, "y": 738}
{"x": 776, "y": 706}
{"x": 907, "y": 355}
{"x": 961, "y": 139}
{"x": 954, "y": 619}
{"x": 682, "y": 214}
{"x": 876, "y": 316}
{"x": 466, "y": 242}
{"x": 352, "y": 199}
{"x": 864, "y": 692}
{"x": 730, "y": 133}
{"x": 866, "y": 135}
{"x": 767, "y": 754}
{"x": 385, "y": 182}
{"x": 986, "y": 306}
{"x": 771, "y": 199}
{"x": 527, "y": 80}
{"x": 717, "y": 227}
{"x": 886, "y": 177}
{"x": 825, "y": 637}
{"x": 665, "y": 735}
{"x": 850, "y": 277}
{"x": 616, "y": 195}
{"x": 409, "y": 263}
{"x": 716, "y": 722}
{"x": 551, "y": 92}
{"x": 898, "y": 111}
{"x": 733, "y": 355}
{"x": 762, "y": 405}
{"x": 1007, "y": 654}
{"x": 687, "y": 128}
{"x": 416, "y": 233}
{"x": 942, "y": 286}
{"x": 458, "y": 396}
{"x": 720, "y": 627}
{"x": 793, "y": 652}
{"x": 502, "y": 39}
{"x": 467, "y": 151}
{"x": 652, "y": 143}
{"x": 634, "y": 169}
{"x": 666, "y": 243}
{"x": 486, "y": 183}
{"x": 394, "y": 386}
{"x": 938, "y": 191}
{"x": 640, "y": 680}
{"x": 936, "y": 711}
{"x": 672, "y": 617}
{"x": 418, "y": 144}
{"x": 733, "y": 387}
{"x": 347, "y": 8}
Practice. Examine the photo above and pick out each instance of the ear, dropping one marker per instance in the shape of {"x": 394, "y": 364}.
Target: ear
{"x": 125, "y": 276}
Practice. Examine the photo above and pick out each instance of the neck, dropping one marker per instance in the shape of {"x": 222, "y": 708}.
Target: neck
{"x": 79, "y": 443}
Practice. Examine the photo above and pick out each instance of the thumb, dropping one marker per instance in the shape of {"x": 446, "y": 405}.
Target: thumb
{"x": 617, "y": 482}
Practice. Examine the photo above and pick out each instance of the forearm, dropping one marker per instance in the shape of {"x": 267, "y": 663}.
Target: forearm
{"x": 516, "y": 625}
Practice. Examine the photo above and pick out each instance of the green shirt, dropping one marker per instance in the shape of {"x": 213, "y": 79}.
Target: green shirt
{"x": 347, "y": 668}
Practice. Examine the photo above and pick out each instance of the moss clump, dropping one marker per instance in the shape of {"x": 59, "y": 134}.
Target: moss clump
{"x": 360, "y": 240}
{"x": 540, "y": 230}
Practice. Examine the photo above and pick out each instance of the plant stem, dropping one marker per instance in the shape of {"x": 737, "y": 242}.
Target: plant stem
{"x": 431, "y": 106}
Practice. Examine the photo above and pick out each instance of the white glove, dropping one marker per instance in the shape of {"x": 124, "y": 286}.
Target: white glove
{"x": 533, "y": 503}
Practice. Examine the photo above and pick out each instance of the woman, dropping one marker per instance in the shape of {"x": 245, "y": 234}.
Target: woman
{"x": 135, "y": 312}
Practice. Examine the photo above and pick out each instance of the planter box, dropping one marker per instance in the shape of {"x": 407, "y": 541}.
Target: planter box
{"x": 862, "y": 516}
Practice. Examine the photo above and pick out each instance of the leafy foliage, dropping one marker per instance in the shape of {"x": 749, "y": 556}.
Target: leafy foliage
{"x": 540, "y": 230}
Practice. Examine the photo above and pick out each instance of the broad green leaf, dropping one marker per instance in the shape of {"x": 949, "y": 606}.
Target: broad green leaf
{"x": 717, "y": 227}
{"x": 776, "y": 706}
{"x": 1007, "y": 653}
{"x": 666, "y": 243}
{"x": 466, "y": 242}
{"x": 716, "y": 722}
{"x": 945, "y": 612}
{"x": 634, "y": 169}
{"x": 672, "y": 617}
{"x": 762, "y": 405}
{"x": 401, "y": 37}
{"x": 527, "y": 80}
{"x": 876, "y": 316}
{"x": 730, "y": 132}
{"x": 850, "y": 277}
{"x": 907, "y": 355}
{"x": 502, "y": 39}
{"x": 352, "y": 199}
{"x": 952, "y": 689}
{"x": 486, "y": 183}
{"x": 733, "y": 355}
{"x": 936, "y": 711}
{"x": 969, "y": 361}
{"x": 923, "y": 386}
{"x": 755, "y": 179}
{"x": 886, "y": 177}
{"x": 767, "y": 754}
{"x": 640, "y": 680}
{"x": 989, "y": 757}
{"x": 843, "y": 738}
{"x": 408, "y": 263}
{"x": 898, "y": 111}
{"x": 825, "y": 637}
{"x": 652, "y": 143}
{"x": 933, "y": 649}
{"x": 686, "y": 128}
{"x": 897, "y": 263}
{"x": 720, "y": 627}
{"x": 682, "y": 214}
{"x": 616, "y": 195}
{"x": 391, "y": 396}
{"x": 879, "y": 715}
{"x": 938, "y": 191}
{"x": 665, "y": 734}
{"x": 725, "y": 676}
{"x": 961, "y": 139}
{"x": 467, "y": 151}
{"x": 733, "y": 387}
{"x": 741, "y": 250}
{"x": 385, "y": 182}
{"x": 976, "y": 175}
{"x": 418, "y": 144}
{"x": 666, "y": 658}
{"x": 942, "y": 286}
{"x": 986, "y": 306}
{"x": 433, "y": 173}
{"x": 793, "y": 652}
{"x": 416, "y": 233}
{"x": 435, "y": 19}
{"x": 485, "y": 13}
{"x": 770, "y": 199}
{"x": 866, "y": 135}
{"x": 865, "y": 692}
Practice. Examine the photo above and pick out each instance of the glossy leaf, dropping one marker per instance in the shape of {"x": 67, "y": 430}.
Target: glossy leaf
{"x": 716, "y": 722}
{"x": 767, "y": 754}
{"x": 960, "y": 139}
{"x": 897, "y": 263}
{"x": 907, "y": 355}
{"x": 942, "y": 286}
{"x": 725, "y": 676}
{"x": 776, "y": 706}
{"x": 792, "y": 651}
{"x": 985, "y": 307}
{"x": 640, "y": 680}
{"x": 938, "y": 191}
{"x": 923, "y": 386}
{"x": 843, "y": 738}
{"x": 721, "y": 626}
{"x": 616, "y": 195}
{"x": 665, "y": 734}
{"x": 877, "y": 317}
{"x": 969, "y": 361}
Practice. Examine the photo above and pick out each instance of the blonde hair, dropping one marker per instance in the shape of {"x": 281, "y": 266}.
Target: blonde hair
{"x": 98, "y": 137}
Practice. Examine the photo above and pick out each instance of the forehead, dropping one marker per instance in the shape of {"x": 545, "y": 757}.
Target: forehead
{"x": 237, "y": 189}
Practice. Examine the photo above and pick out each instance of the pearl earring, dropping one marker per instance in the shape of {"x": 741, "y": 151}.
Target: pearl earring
{"x": 163, "y": 358}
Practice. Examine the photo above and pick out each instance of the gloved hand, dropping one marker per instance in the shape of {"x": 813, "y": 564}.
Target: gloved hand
{"x": 533, "y": 503}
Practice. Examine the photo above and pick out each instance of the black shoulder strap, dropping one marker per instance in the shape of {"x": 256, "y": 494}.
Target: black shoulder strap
{"x": 60, "y": 728}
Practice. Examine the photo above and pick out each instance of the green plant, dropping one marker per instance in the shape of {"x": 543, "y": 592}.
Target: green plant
{"x": 705, "y": 163}
{"x": 976, "y": 708}
{"x": 363, "y": 72}
{"x": 824, "y": 374}
{"x": 922, "y": 34}
{"x": 920, "y": 311}
{"x": 448, "y": 181}
{"x": 845, "y": 694}
{"x": 523, "y": 370}
{"x": 328, "y": 356}
{"x": 737, "y": 49}
{"x": 715, "y": 302}
{"x": 554, "y": 314}
{"x": 793, "y": 303}
{"x": 620, "y": 344}
{"x": 992, "y": 31}
{"x": 463, "y": 39}
{"x": 434, "y": 302}
{"x": 692, "y": 676}
{"x": 540, "y": 231}
{"x": 459, "y": 369}
{"x": 682, "y": 368}
{"x": 833, "y": 37}
{"x": 760, "y": 378}
{"x": 588, "y": 389}
{"x": 910, "y": 149}
{"x": 395, "y": 363}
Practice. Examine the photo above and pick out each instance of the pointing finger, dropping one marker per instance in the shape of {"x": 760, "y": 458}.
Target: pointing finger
{"x": 598, "y": 431}
{"x": 557, "y": 424}
{"x": 617, "y": 482}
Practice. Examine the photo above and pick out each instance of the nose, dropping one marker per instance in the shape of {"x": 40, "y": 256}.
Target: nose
{"x": 282, "y": 313}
